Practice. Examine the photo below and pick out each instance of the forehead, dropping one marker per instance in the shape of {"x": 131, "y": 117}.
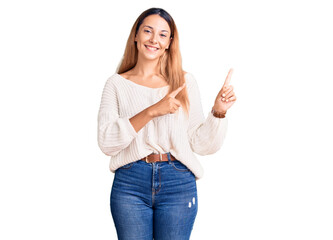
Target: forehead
{"x": 156, "y": 22}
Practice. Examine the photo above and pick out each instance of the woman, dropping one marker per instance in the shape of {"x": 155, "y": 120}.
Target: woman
{"x": 151, "y": 123}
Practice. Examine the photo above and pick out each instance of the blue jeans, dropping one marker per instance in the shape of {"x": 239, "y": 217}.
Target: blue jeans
{"x": 154, "y": 200}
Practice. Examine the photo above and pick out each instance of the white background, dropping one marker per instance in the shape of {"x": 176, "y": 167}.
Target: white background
{"x": 272, "y": 178}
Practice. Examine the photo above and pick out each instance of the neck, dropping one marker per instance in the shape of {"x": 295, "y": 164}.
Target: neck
{"x": 146, "y": 67}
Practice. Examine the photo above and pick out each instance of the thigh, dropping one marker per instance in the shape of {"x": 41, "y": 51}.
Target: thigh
{"x": 131, "y": 212}
{"x": 176, "y": 204}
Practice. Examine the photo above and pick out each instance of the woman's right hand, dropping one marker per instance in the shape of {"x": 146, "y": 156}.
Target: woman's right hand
{"x": 168, "y": 104}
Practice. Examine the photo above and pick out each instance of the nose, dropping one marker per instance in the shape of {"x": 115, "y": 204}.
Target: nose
{"x": 153, "y": 39}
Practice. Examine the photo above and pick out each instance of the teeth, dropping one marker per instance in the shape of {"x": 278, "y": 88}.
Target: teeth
{"x": 151, "y": 48}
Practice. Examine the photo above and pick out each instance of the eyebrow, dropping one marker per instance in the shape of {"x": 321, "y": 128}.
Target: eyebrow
{"x": 153, "y": 28}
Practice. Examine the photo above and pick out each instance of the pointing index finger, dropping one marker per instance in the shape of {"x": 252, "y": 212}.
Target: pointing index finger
{"x": 228, "y": 78}
{"x": 175, "y": 92}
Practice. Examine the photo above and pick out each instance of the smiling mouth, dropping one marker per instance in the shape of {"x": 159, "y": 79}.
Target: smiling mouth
{"x": 151, "y": 48}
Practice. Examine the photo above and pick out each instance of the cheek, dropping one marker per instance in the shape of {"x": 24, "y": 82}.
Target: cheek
{"x": 142, "y": 38}
{"x": 164, "y": 44}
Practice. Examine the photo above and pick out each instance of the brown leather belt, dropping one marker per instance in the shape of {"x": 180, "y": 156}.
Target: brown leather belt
{"x": 160, "y": 157}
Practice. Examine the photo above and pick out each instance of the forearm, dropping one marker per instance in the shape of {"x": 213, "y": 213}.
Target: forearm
{"x": 142, "y": 118}
{"x": 207, "y": 138}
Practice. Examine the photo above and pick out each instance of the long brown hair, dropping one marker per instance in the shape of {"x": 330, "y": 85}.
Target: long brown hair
{"x": 170, "y": 62}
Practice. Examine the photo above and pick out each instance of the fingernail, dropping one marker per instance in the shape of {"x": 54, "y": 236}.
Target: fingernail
{"x": 223, "y": 95}
{"x": 223, "y": 99}
{"x": 227, "y": 100}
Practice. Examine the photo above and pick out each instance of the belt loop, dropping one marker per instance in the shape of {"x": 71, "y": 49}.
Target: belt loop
{"x": 169, "y": 159}
{"x": 160, "y": 157}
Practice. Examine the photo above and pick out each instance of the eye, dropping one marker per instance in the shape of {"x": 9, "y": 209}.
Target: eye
{"x": 163, "y": 35}
{"x": 146, "y": 31}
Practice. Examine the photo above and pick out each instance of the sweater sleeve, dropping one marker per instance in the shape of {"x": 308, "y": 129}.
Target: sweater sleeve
{"x": 114, "y": 133}
{"x": 206, "y": 135}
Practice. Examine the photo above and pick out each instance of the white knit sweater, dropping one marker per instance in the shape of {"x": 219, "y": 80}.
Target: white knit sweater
{"x": 174, "y": 133}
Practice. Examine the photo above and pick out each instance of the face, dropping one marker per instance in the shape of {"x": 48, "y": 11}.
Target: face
{"x": 153, "y": 37}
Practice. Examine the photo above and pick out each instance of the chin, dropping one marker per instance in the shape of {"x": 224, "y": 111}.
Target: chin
{"x": 150, "y": 57}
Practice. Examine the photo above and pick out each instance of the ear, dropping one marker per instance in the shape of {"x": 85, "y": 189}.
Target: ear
{"x": 135, "y": 38}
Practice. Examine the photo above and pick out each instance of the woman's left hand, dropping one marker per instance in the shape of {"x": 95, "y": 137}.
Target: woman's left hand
{"x": 226, "y": 97}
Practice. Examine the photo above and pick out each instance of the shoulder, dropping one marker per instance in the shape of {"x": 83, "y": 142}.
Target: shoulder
{"x": 189, "y": 78}
{"x": 113, "y": 81}
{"x": 114, "y": 77}
{"x": 187, "y": 75}
{"x": 124, "y": 74}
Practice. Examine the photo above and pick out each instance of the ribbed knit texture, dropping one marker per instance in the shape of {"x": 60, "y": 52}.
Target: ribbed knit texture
{"x": 174, "y": 133}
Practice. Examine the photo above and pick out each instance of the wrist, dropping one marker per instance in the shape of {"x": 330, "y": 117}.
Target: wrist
{"x": 218, "y": 114}
{"x": 151, "y": 112}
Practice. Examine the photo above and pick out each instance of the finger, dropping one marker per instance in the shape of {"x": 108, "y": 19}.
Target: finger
{"x": 227, "y": 91}
{"x": 177, "y": 103}
{"x": 231, "y": 99}
{"x": 174, "y": 109}
{"x": 229, "y": 95}
{"x": 232, "y": 93}
{"x": 223, "y": 90}
{"x": 228, "y": 78}
{"x": 227, "y": 98}
{"x": 175, "y": 92}
{"x": 174, "y": 103}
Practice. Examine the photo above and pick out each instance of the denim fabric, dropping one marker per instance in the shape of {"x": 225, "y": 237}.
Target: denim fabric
{"x": 154, "y": 201}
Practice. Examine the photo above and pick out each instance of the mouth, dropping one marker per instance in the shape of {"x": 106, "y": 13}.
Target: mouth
{"x": 150, "y": 48}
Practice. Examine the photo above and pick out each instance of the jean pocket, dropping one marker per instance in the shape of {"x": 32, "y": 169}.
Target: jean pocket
{"x": 127, "y": 166}
{"x": 179, "y": 166}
